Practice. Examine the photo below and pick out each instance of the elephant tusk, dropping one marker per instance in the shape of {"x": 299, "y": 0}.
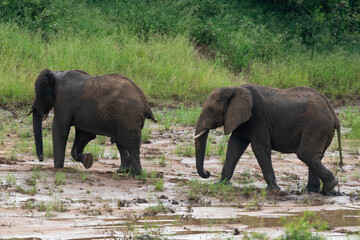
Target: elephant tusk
{"x": 45, "y": 117}
{"x": 30, "y": 112}
{"x": 200, "y": 134}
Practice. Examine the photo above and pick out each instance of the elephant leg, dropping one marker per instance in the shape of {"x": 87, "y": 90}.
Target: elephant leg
{"x": 311, "y": 151}
{"x": 326, "y": 176}
{"x": 60, "y": 133}
{"x": 236, "y": 147}
{"x": 313, "y": 182}
{"x": 125, "y": 159}
{"x": 131, "y": 145}
{"x": 81, "y": 140}
{"x": 263, "y": 155}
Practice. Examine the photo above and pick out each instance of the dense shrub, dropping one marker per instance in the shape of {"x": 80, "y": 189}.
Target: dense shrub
{"x": 37, "y": 15}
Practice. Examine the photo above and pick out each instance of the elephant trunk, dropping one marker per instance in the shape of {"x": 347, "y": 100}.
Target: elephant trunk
{"x": 37, "y": 127}
{"x": 200, "y": 148}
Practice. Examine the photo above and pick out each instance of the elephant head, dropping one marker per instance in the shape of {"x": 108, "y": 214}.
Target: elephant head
{"x": 228, "y": 107}
{"x": 44, "y": 102}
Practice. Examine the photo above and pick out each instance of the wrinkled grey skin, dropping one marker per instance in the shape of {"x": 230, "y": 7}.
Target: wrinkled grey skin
{"x": 297, "y": 120}
{"x": 110, "y": 105}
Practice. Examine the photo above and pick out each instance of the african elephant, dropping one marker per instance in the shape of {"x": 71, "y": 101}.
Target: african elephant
{"x": 296, "y": 120}
{"x": 110, "y": 105}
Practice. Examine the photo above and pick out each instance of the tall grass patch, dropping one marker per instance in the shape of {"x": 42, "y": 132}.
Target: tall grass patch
{"x": 185, "y": 116}
{"x": 165, "y": 68}
{"x": 334, "y": 74}
{"x": 350, "y": 117}
{"x": 20, "y": 54}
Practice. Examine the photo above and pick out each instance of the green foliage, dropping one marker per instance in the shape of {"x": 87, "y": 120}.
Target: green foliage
{"x": 37, "y": 15}
{"x": 350, "y": 117}
{"x": 159, "y": 208}
{"x": 165, "y": 68}
{"x": 182, "y": 115}
{"x": 224, "y": 192}
{"x": 36, "y": 174}
{"x": 60, "y": 178}
{"x": 162, "y": 161}
{"x": 143, "y": 176}
{"x": 312, "y": 70}
{"x": 159, "y": 184}
{"x": 301, "y": 227}
{"x": 161, "y": 44}
{"x": 11, "y": 179}
{"x": 254, "y": 236}
{"x": 83, "y": 176}
{"x": 185, "y": 150}
{"x": 95, "y": 149}
{"x": 146, "y": 134}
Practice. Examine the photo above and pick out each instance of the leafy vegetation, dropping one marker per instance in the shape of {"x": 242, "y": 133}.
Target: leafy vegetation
{"x": 60, "y": 178}
{"x": 181, "y": 50}
{"x": 159, "y": 208}
{"x": 350, "y": 117}
{"x": 225, "y": 192}
{"x": 302, "y": 227}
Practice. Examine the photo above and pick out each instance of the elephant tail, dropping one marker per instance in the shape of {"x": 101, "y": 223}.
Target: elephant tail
{"x": 341, "y": 164}
{"x": 149, "y": 114}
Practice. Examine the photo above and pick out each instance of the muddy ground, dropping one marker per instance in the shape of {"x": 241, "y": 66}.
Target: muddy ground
{"x": 171, "y": 201}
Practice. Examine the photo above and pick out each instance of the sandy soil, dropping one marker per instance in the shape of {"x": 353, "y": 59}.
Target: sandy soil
{"x": 110, "y": 206}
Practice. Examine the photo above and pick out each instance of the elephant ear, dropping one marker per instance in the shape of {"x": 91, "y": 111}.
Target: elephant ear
{"x": 49, "y": 89}
{"x": 239, "y": 109}
{"x": 45, "y": 93}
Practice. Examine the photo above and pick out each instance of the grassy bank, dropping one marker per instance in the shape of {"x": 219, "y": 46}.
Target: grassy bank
{"x": 181, "y": 50}
{"x": 165, "y": 67}
{"x": 335, "y": 74}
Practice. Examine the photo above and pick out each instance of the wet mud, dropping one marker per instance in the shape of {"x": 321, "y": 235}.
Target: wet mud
{"x": 98, "y": 203}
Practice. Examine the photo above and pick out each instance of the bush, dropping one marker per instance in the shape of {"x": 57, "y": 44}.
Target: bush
{"x": 36, "y": 15}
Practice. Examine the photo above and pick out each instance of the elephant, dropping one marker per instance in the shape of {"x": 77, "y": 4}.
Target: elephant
{"x": 111, "y": 105}
{"x": 295, "y": 120}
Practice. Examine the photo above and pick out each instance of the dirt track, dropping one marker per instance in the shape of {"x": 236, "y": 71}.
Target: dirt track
{"x": 98, "y": 204}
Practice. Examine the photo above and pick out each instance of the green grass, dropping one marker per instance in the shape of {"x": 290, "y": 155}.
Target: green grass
{"x": 178, "y": 51}
{"x": 162, "y": 162}
{"x": 159, "y": 184}
{"x": 159, "y": 208}
{"x": 316, "y": 70}
{"x": 60, "y": 178}
{"x": 164, "y": 67}
{"x": 83, "y": 176}
{"x": 350, "y": 117}
{"x": 224, "y": 192}
{"x": 182, "y": 115}
{"x": 11, "y": 178}
{"x": 302, "y": 227}
{"x": 96, "y": 149}
{"x": 185, "y": 150}
{"x": 146, "y": 133}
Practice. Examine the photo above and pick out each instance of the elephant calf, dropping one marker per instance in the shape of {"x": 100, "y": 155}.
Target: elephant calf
{"x": 297, "y": 120}
{"x": 110, "y": 105}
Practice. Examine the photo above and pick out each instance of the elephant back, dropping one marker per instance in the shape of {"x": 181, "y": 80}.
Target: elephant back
{"x": 115, "y": 95}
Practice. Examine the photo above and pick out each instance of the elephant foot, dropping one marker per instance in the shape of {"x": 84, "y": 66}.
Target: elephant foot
{"x": 59, "y": 165}
{"x": 124, "y": 170}
{"x": 134, "y": 173}
{"x": 88, "y": 160}
{"x": 128, "y": 171}
{"x": 313, "y": 189}
{"x": 328, "y": 186}
{"x": 273, "y": 188}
